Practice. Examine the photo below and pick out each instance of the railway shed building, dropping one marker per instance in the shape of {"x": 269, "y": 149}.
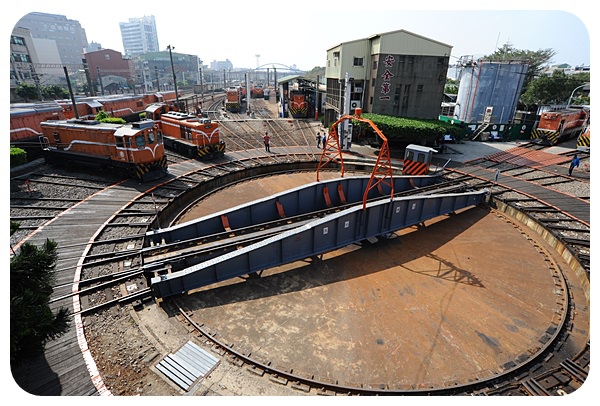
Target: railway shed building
{"x": 396, "y": 73}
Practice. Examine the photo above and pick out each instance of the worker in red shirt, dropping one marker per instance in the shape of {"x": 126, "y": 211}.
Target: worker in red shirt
{"x": 266, "y": 138}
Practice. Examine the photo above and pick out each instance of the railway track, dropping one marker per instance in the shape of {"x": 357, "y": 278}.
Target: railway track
{"x": 112, "y": 276}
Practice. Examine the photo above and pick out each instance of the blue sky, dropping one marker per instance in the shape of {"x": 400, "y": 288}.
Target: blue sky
{"x": 300, "y": 33}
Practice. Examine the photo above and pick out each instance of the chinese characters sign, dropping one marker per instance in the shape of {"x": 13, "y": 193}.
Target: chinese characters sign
{"x": 386, "y": 87}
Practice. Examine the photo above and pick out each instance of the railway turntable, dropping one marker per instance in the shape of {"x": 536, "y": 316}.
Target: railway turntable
{"x": 442, "y": 305}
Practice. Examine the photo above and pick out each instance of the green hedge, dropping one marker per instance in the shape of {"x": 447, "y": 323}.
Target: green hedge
{"x": 400, "y": 130}
{"x": 18, "y": 157}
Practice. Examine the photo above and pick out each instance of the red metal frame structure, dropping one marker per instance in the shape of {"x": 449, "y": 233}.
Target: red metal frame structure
{"x": 383, "y": 166}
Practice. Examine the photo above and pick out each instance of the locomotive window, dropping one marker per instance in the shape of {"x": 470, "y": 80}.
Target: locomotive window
{"x": 410, "y": 155}
{"x": 151, "y": 138}
{"x": 119, "y": 142}
{"x": 140, "y": 141}
{"x": 421, "y": 158}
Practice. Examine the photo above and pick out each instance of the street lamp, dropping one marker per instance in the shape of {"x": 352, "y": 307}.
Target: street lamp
{"x": 585, "y": 86}
{"x": 170, "y": 48}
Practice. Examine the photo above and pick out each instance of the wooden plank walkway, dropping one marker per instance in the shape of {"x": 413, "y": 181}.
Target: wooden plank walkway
{"x": 575, "y": 206}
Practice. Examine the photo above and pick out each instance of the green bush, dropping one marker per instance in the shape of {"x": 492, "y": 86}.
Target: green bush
{"x": 18, "y": 157}
{"x": 400, "y": 130}
{"x": 103, "y": 117}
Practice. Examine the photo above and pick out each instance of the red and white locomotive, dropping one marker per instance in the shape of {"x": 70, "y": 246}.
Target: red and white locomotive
{"x": 559, "y": 125}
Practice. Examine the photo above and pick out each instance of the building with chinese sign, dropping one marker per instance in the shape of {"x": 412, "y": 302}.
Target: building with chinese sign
{"x": 397, "y": 73}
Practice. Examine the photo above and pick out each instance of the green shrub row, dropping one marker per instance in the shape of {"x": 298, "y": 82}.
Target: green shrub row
{"x": 18, "y": 156}
{"x": 400, "y": 129}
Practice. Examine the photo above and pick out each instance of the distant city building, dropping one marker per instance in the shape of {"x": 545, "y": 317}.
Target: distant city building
{"x": 139, "y": 36}
{"x": 54, "y": 35}
{"x": 221, "y": 65}
{"x": 93, "y": 46}
{"x": 22, "y": 58}
{"x": 396, "y": 73}
{"x": 566, "y": 69}
{"x": 155, "y": 72}
{"x": 109, "y": 70}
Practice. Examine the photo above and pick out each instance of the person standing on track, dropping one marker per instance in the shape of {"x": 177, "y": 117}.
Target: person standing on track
{"x": 324, "y": 139}
{"x": 266, "y": 138}
{"x": 574, "y": 163}
{"x": 318, "y": 140}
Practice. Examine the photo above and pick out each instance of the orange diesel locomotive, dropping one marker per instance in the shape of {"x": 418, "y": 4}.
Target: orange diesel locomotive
{"x": 136, "y": 148}
{"x": 25, "y": 119}
{"x": 233, "y": 102}
{"x": 258, "y": 92}
{"x": 560, "y": 125}
{"x": 186, "y": 134}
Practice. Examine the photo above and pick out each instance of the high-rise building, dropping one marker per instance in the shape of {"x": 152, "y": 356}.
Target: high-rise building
{"x": 139, "y": 36}
{"x": 54, "y": 35}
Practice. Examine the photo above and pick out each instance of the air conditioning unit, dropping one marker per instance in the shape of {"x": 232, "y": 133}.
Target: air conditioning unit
{"x": 354, "y": 104}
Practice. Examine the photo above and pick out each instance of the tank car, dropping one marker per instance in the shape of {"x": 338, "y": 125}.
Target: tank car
{"x": 187, "y": 134}
{"x": 137, "y": 148}
{"x": 560, "y": 125}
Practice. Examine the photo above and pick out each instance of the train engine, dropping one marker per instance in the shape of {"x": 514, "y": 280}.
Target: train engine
{"x": 258, "y": 92}
{"x": 136, "y": 148}
{"x": 560, "y": 125}
{"x": 298, "y": 105}
{"x": 233, "y": 100}
{"x": 186, "y": 134}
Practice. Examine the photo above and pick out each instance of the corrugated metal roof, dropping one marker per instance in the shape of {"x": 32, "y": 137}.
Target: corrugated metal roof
{"x": 187, "y": 365}
{"x": 288, "y": 78}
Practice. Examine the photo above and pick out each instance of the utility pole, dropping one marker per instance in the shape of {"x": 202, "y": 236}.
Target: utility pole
{"x": 170, "y": 48}
{"x": 100, "y": 80}
{"x": 71, "y": 93}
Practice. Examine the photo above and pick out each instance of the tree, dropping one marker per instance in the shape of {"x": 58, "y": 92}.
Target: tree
{"x": 27, "y": 91}
{"x": 451, "y": 86}
{"x": 55, "y": 92}
{"x": 555, "y": 89}
{"x": 314, "y": 72}
{"x": 32, "y": 323}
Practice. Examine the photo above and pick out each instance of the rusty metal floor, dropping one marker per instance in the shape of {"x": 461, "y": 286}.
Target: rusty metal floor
{"x": 455, "y": 301}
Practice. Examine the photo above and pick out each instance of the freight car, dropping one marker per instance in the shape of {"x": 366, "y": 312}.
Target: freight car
{"x": 186, "y": 134}
{"x": 560, "y": 125}
{"x": 233, "y": 99}
{"x": 25, "y": 119}
{"x": 136, "y": 148}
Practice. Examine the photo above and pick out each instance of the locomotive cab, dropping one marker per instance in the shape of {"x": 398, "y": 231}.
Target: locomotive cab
{"x": 417, "y": 160}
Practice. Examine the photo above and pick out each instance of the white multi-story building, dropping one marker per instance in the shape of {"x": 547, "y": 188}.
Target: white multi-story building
{"x": 139, "y": 36}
